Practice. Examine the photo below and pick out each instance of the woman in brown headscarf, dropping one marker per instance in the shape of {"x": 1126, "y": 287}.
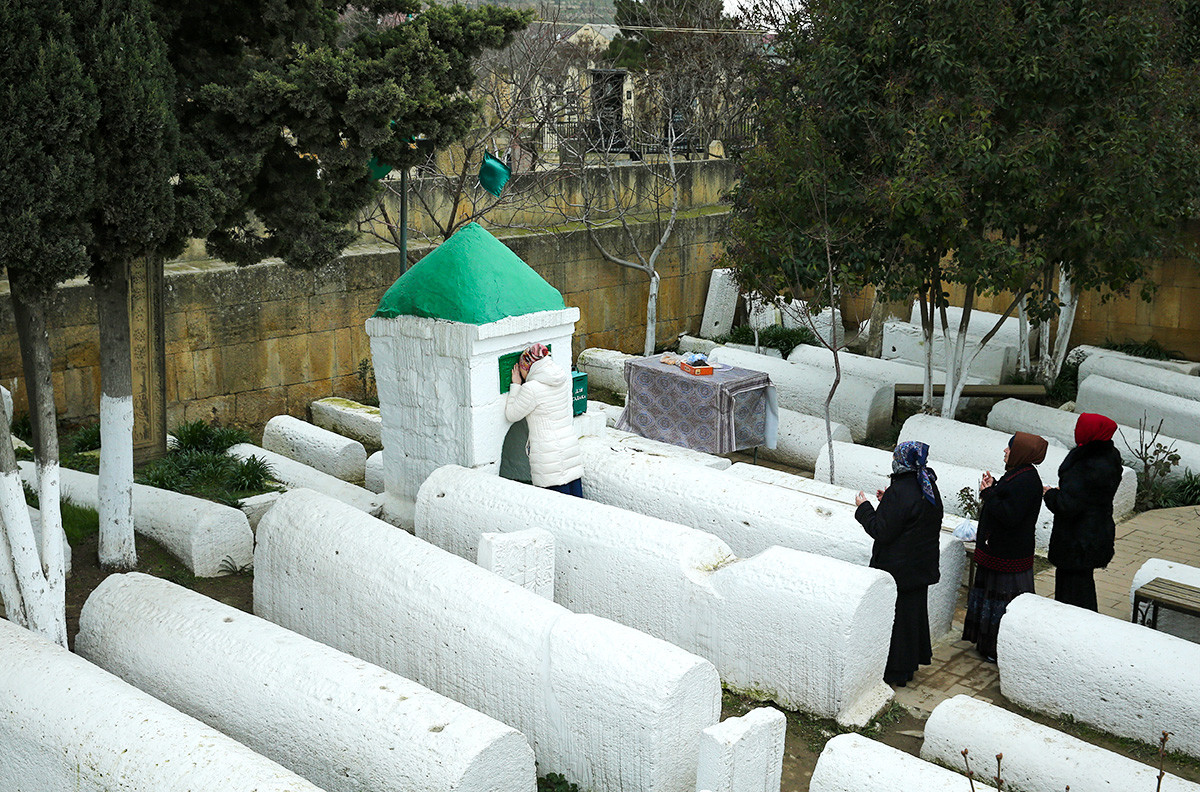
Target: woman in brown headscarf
{"x": 1005, "y": 540}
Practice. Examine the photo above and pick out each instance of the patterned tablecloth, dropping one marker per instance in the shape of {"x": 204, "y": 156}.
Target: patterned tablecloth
{"x": 728, "y": 410}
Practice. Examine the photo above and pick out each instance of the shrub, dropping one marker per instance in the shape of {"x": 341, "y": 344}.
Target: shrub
{"x": 1185, "y": 492}
{"x": 201, "y": 436}
{"x": 199, "y": 466}
{"x": 782, "y": 338}
{"x": 1066, "y": 384}
{"x": 22, "y": 428}
{"x": 1150, "y": 349}
{"x": 85, "y": 438}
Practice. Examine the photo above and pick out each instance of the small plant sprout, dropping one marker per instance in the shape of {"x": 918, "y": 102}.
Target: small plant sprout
{"x": 998, "y": 779}
{"x": 968, "y": 501}
{"x": 970, "y": 773}
{"x": 230, "y": 567}
{"x": 1162, "y": 753}
{"x": 1156, "y": 460}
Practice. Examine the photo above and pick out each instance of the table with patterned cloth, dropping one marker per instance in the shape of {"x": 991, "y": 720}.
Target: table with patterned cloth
{"x": 728, "y": 410}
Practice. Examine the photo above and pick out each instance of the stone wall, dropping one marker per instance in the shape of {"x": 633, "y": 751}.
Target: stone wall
{"x": 549, "y": 198}
{"x": 245, "y": 344}
{"x": 1171, "y": 317}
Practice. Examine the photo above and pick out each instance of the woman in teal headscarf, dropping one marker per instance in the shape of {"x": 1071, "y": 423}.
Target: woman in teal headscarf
{"x": 906, "y": 527}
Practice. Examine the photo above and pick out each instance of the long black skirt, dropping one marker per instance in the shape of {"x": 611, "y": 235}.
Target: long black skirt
{"x": 1075, "y": 587}
{"x": 910, "y": 646}
{"x": 986, "y": 603}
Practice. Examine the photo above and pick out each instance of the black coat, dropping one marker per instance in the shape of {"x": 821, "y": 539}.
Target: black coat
{"x": 1084, "y": 530}
{"x": 906, "y": 529}
{"x": 1008, "y": 520}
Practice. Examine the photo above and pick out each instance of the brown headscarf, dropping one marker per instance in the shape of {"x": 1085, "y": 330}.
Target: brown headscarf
{"x": 1025, "y": 449}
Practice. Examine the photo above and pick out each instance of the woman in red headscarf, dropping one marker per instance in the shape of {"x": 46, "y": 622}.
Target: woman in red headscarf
{"x": 1005, "y": 540}
{"x": 1084, "y": 532}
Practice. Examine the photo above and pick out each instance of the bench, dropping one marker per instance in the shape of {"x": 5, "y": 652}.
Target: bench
{"x": 1163, "y": 593}
{"x": 915, "y": 391}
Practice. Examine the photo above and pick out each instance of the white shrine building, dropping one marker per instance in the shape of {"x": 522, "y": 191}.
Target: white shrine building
{"x": 443, "y": 343}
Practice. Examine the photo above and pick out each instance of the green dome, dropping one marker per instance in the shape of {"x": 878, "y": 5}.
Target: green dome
{"x": 471, "y": 278}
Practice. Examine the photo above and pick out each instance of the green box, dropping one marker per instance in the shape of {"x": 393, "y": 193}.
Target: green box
{"x": 578, "y": 392}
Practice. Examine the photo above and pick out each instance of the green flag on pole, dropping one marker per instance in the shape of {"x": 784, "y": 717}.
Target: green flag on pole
{"x": 493, "y": 174}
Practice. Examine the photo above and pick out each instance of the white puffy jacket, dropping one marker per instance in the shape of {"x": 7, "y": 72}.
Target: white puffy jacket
{"x": 544, "y": 401}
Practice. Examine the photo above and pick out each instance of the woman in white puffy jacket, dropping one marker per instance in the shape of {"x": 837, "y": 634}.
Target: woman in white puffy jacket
{"x": 541, "y": 394}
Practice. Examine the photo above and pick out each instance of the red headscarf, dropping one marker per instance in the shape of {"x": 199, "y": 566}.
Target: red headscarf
{"x": 1093, "y": 426}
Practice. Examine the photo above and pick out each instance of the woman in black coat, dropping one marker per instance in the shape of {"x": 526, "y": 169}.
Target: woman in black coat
{"x": 906, "y": 527}
{"x": 1005, "y": 540}
{"x": 1084, "y": 531}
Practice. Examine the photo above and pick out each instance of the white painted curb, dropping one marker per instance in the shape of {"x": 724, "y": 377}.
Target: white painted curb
{"x": 296, "y": 475}
{"x": 328, "y": 452}
{"x": 853, "y": 763}
{"x": 996, "y": 362}
{"x": 1037, "y": 758}
{"x": 861, "y": 404}
{"x": 608, "y": 707}
{"x": 1119, "y": 677}
{"x": 751, "y": 516}
{"x": 340, "y": 722}
{"x": 1127, "y": 404}
{"x": 1084, "y": 351}
{"x": 620, "y": 442}
{"x": 202, "y": 534}
{"x": 801, "y": 438}
{"x": 69, "y": 725}
{"x": 360, "y": 422}
{"x": 1014, "y": 415}
{"x": 980, "y": 448}
{"x": 687, "y": 587}
{"x": 867, "y": 469}
{"x": 605, "y": 368}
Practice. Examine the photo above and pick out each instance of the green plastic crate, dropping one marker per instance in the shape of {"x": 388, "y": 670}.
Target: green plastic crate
{"x": 578, "y": 392}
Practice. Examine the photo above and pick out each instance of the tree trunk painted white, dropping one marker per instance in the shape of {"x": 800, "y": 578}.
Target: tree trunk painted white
{"x": 927, "y": 334}
{"x": 1024, "y": 364}
{"x": 10, "y": 504}
{"x": 1045, "y": 347}
{"x": 21, "y": 569}
{"x": 651, "y": 315}
{"x": 830, "y": 344}
{"x": 1052, "y": 362}
{"x": 117, "y": 548}
{"x": 42, "y": 581}
{"x": 955, "y": 348}
{"x": 875, "y": 329}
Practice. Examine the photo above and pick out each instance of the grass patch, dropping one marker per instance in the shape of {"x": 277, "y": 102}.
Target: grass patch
{"x": 79, "y": 522}
{"x": 1143, "y": 752}
{"x": 814, "y": 731}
